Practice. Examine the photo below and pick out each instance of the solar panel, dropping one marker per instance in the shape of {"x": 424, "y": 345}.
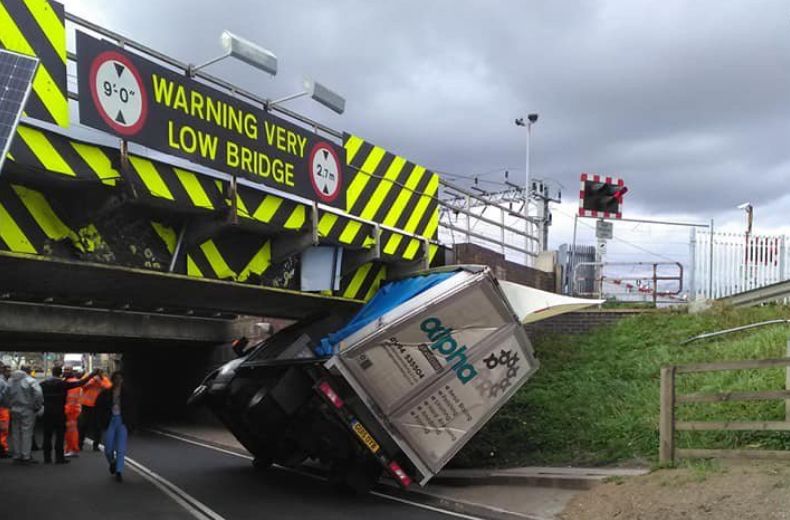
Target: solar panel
{"x": 16, "y": 78}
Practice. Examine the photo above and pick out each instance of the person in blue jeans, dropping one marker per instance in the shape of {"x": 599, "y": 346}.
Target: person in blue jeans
{"x": 117, "y": 409}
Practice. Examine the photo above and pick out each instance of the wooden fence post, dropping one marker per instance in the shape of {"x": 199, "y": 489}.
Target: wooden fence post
{"x": 787, "y": 384}
{"x": 666, "y": 426}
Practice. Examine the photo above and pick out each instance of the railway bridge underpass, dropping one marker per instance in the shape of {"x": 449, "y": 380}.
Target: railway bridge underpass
{"x": 108, "y": 246}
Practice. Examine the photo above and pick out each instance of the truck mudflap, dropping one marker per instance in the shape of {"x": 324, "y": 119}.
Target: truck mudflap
{"x": 325, "y": 388}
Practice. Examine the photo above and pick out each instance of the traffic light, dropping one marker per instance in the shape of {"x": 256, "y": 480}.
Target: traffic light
{"x": 601, "y": 197}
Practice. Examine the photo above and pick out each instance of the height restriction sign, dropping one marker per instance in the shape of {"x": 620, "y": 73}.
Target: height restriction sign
{"x": 118, "y": 93}
{"x": 155, "y": 106}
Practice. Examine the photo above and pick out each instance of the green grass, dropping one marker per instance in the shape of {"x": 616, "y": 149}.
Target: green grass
{"x": 595, "y": 401}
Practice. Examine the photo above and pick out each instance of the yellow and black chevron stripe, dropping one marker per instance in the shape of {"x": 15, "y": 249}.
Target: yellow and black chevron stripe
{"x": 54, "y": 155}
{"x": 239, "y": 257}
{"x": 390, "y": 190}
{"x": 274, "y": 211}
{"x": 28, "y": 222}
{"x": 37, "y": 28}
{"x": 160, "y": 182}
{"x": 363, "y": 283}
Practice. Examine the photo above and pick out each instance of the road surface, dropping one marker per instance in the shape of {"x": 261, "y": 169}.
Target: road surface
{"x": 170, "y": 478}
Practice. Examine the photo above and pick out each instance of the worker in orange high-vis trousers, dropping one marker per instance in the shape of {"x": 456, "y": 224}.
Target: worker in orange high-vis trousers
{"x": 5, "y": 413}
{"x": 89, "y": 421}
{"x": 73, "y": 409}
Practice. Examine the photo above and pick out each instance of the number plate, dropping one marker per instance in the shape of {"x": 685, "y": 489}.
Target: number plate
{"x": 367, "y": 438}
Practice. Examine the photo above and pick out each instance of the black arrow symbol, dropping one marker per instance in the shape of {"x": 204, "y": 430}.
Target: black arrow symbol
{"x": 119, "y": 68}
{"x": 120, "y": 118}
{"x": 326, "y": 154}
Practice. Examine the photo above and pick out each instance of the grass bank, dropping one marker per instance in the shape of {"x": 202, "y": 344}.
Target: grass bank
{"x": 595, "y": 401}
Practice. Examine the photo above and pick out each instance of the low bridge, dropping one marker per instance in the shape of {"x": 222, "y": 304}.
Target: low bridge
{"x": 108, "y": 246}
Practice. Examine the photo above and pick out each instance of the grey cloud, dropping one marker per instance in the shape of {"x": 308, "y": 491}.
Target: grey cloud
{"x": 688, "y": 101}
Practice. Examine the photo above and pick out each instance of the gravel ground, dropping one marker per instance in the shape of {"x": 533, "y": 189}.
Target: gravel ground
{"x": 706, "y": 489}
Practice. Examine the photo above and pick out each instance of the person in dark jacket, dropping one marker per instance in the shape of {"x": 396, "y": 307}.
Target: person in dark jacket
{"x": 117, "y": 409}
{"x": 54, "y": 389}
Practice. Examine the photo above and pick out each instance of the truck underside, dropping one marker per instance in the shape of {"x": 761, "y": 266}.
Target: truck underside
{"x": 278, "y": 408}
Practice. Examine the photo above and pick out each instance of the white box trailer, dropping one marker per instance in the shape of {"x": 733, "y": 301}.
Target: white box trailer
{"x": 400, "y": 387}
{"x": 435, "y": 369}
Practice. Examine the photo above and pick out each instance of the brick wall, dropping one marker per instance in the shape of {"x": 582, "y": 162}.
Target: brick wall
{"x": 578, "y": 322}
{"x": 503, "y": 269}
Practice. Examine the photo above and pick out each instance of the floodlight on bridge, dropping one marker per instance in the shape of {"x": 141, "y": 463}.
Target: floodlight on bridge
{"x": 320, "y": 93}
{"x": 243, "y": 50}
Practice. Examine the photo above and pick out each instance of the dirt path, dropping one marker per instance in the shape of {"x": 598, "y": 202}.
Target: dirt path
{"x": 707, "y": 489}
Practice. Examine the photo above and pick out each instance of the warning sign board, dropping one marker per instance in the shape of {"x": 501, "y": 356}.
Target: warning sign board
{"x": 156, "y": 107}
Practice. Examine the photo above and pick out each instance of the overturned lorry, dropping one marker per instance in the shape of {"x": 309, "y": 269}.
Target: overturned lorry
{"x": 398, "y": 388}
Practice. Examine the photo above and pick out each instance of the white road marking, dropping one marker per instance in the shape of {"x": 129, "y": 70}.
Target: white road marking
{"x": 192, "y": 505}
{"x": 374, "y": 493}
{"x": 197, "y": 508}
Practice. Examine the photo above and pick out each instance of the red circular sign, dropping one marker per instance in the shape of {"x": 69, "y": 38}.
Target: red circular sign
{"x": 326, "y": 174}
{"x": 118, "y": 92}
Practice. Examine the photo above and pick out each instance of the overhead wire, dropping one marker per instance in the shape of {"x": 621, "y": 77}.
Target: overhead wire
{"x": 645, "y": 250}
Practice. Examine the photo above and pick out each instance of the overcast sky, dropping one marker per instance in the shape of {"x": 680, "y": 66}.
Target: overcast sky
{"x": 688, "y": 101}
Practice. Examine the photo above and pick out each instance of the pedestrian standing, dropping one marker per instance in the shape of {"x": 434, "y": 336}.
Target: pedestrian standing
{"x": 89, "y": 420}
{"x": 72, "y": 410}
{"x": 55, "y": 390}
{"x": 117, "y": 407}
{"x": 5, "y": 412}
{"x": 25, "y": 400}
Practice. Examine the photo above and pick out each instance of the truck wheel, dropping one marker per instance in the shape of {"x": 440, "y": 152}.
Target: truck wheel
{"x": 355, "y": 478}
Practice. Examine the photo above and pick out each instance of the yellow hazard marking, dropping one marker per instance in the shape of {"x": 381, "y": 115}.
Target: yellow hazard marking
{"x": 405, "y": 194}
{"x": 53, "y": 28}
{"x": 325, "y": 224}
{"x": 167, "y": 234}
{"x": 193, "y": 269}
{"x": 356, "y": 282}
{"x": 353, "y": 145}
{"x": 400, "y": 204}
{"x": 363, "y": 176}
{"x": 433, "y": 225}
{"x": 432, "y": 250}
{"x": 98, "y": 162}
{"x": 215, "y": 260}
{"x": 297, "y": 218}
{"x": 43, "y": 214}
{"x": 422, "y": 204}
{"x": 382, "y": 274}
{"x": 259, "y": 263}
{"x": 376, "y": 200}
{"x": 194, "y": 189}
{"x": 44, "y": 151}
{"x": 153, "y": 181}
{"x": 89, "y": 239}
{"x": 12, "y": 234}
{"x": 411, "y": 249}
{"x": 241, "y": 208}
{"x": 44, "y": 86}
{"x": 267, "y": 209}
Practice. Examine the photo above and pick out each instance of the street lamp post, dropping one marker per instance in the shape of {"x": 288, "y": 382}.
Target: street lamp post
{"x": 531, "y": 119}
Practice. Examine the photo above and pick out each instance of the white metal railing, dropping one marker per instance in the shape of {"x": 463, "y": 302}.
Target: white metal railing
{"x": 729, "y": 263}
